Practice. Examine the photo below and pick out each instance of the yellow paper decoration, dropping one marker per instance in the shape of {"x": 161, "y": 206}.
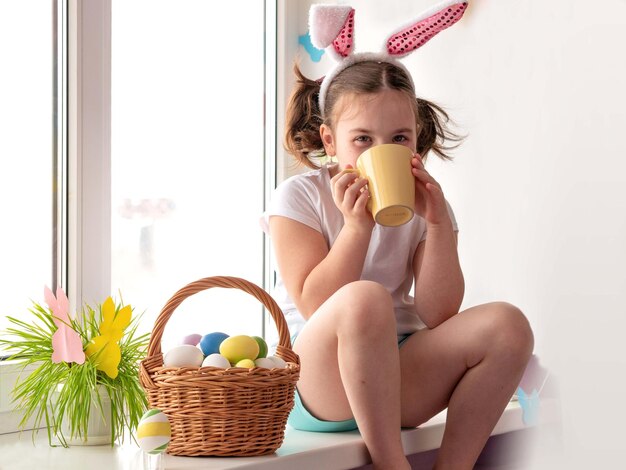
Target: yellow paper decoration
{"x": 105, "y": 348}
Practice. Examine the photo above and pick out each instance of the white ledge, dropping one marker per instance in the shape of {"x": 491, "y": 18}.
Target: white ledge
{"x": 300, "y": 449}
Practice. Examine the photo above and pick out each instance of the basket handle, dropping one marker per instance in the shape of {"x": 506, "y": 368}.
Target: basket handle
{"x": 284, "y": 343}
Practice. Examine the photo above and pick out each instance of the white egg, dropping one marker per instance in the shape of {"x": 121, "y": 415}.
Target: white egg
{"x": 278, "y": 362}
{"x": 216, "y": 360}
{"x": 264, "y": 362}
{"x": 184, "y": 355}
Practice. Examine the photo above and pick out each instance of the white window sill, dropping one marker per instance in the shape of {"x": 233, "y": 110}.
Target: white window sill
{"x": 9, "y": 372}
{"x": 303, "y": 450}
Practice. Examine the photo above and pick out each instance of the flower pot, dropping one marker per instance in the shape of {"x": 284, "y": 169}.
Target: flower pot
{"x": 99, "y": 425}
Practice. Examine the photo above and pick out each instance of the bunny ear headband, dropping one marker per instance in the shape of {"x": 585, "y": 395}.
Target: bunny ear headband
{"x": 332, "y": 28}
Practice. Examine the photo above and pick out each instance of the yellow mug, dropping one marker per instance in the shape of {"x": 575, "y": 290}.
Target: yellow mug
{"x": 391, "y": 183}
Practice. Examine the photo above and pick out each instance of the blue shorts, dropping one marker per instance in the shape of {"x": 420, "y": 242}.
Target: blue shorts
{"x": 301, "y": 419}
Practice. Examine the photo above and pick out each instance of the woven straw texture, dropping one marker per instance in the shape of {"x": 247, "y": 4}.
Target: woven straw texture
{"x": 222, "y": 412}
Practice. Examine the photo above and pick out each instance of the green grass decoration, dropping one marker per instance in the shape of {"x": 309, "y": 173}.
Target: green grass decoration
{"x": 68, "y": 390}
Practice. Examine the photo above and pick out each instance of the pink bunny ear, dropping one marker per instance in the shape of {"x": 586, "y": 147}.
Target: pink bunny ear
{"x": 50, "y": 299}
{"x": 59, "y": 305}
{"x": 332, "y": 25}
{"x": 63, "y": 302}
{"x": 424, "y": 28}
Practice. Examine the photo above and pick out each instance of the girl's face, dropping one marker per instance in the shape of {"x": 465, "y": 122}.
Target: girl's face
{"x": 362, "y": 121}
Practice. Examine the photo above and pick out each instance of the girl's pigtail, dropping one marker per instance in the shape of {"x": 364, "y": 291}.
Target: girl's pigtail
{"x": 303, "y": 121}
{"x": 434, "y": 133}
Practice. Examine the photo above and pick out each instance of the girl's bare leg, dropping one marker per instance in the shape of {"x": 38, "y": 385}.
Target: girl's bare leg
{"x": 351, "y": 368}
{"x": 472, "y": 363}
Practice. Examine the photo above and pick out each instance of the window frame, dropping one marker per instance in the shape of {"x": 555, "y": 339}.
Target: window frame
{"x": 89, "y": 151}
{"x": 271, "y": 138}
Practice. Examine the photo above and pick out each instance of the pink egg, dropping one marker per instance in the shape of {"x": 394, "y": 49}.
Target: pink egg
{"x": 192, "y": 339}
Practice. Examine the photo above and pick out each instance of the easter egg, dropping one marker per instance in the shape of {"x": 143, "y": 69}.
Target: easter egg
{"x": 154, "y": 432}
{"x": 262, "y": 346}
{"x": 265, "y": 362}
{"x": 216, "y": 360}
{"x": 192, "y": 339}
{"x": 236, "y": 348}
{"x": 278, "y": 362}
{"x": 184, "y": 355}
{"x": 245, "y": 363}
{"x": 210, "y": 343}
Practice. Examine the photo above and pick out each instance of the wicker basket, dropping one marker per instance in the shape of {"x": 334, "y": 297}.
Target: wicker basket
{"x": 222, "y": 412}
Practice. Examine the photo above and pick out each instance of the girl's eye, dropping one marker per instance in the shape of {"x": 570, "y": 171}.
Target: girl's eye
{"x": 400, "y": 138}
{"x": 362, "y": 138}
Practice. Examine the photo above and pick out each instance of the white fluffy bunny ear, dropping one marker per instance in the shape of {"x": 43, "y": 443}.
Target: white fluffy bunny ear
{"x": 425, "y": 27}
{"x": 332, "y": 28}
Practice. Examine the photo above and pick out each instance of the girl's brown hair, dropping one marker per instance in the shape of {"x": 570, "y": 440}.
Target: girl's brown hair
{"x": 304, "y": 118}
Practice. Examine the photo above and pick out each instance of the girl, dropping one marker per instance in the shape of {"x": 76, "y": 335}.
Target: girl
{"x": 372, "y": 356}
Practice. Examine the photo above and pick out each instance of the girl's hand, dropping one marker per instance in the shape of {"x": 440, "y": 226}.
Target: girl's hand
{"x": 351, "y": 196}
{"x": 430, "y": 203}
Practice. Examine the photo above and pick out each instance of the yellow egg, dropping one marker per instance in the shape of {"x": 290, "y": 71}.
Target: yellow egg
{"x": 236, "y": 348}
{"x": 262, "y": 346}
{"x": 245, "y": 363}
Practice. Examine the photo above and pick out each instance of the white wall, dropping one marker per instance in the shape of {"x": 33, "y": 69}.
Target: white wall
{"x": 539, "y": 186}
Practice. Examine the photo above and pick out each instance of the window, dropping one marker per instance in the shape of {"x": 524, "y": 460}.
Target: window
{"x": 28, "y": 150}
{"x": 159, "y": 142}
{"x": 187, "y": 159}
{"x": 186, "y": 172}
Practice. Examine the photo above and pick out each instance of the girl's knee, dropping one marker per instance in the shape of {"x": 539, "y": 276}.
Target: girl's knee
{"x": 366, "y": 294}
{"x": 511, "y": 332}
{"x": 366, "y": 303}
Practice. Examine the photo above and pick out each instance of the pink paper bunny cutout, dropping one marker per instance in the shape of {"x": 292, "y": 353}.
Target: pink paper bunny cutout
{"x": 67, "y": 345}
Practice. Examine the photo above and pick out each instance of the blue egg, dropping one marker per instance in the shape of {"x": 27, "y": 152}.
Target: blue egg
{"x": 210, "y": 344}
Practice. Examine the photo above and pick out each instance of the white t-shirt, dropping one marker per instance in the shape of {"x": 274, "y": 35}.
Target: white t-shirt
{"x": 307, "y": 198}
